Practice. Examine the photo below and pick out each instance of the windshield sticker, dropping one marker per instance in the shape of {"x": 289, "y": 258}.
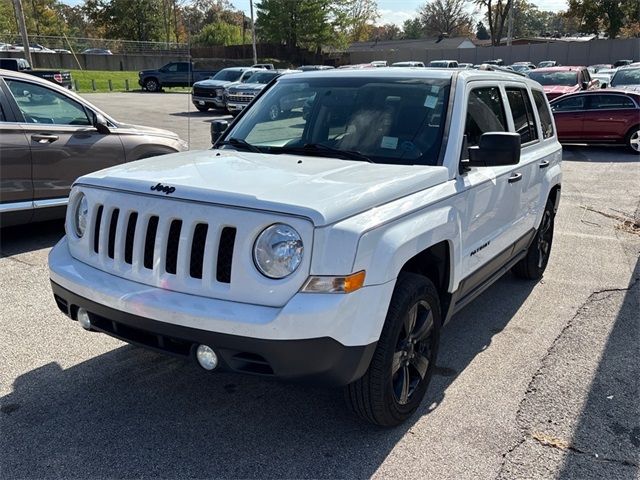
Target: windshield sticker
{"x": 431, "y": 101}
{"x": 389, "y": 142}
{"x": 435, "y": 89}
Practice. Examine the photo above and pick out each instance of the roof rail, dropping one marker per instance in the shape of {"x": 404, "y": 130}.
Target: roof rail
{"x": 496, "y": 68}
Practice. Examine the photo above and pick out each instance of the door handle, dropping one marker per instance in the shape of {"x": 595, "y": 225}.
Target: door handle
{"x": 516, "y": 177}
{"x": 544, "y": 164}
{"x": 44, "y": 138}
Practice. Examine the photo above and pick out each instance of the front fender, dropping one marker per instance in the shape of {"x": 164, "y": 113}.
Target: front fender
{"x": 384, "y": 251}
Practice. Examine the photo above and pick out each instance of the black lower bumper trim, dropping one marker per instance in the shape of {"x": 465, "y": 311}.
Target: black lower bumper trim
{"x": 318, "y": 360}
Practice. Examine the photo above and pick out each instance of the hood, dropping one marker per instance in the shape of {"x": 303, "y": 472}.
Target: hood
{"x": 212, "y": 83}
{"x": 324, "y": 190}
{"x": 632, "y": 88}
{"x": 247, "y": 87}
{"x": 553, "y": 91}
{"x": 144, "y": 130}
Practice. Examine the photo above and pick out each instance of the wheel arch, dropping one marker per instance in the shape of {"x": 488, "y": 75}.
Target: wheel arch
{"x": 435, "y": 263}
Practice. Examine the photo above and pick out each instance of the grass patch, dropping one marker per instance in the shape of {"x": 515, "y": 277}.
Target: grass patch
{"x": 82, "y": 81}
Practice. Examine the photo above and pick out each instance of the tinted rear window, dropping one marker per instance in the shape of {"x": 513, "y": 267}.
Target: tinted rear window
{"x": 543, "y": 113}
{"x": 566, "y": 79}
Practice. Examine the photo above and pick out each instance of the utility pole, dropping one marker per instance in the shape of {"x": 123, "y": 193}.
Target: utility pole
{"x": 17, "y": 6}
{"x": 510, "y": 24}
{"x": 253, "y": 34}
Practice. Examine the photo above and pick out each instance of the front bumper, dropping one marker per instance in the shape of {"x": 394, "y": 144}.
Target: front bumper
{"x": 327, "y": 338}
{"x": 211, "y": 102}
{"x": 236, "y": 106}
{"x": 318, "y": 360}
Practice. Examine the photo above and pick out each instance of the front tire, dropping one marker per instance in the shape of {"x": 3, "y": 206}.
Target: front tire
{"x": 532, "y": 266}
{"x": 151, "y": 85}
{"x": 402, "y": 365}
{"x": 202, "y": 109}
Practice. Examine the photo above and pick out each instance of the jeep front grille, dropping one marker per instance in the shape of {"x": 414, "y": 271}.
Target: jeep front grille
{"x": 161, "y": 244}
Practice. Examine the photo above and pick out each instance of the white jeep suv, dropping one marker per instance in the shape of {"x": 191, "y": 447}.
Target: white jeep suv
{"x": 330, "y": 244}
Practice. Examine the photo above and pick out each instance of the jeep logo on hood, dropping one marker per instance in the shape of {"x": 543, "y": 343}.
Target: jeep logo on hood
{"x": 163, "y": 188}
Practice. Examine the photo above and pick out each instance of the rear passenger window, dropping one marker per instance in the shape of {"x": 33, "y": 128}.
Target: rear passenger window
{"x": 610, "y": 102}
{"x": 543, "y": 113}
{"x": 522, "y": 111}
{"x": 485, "y": 113}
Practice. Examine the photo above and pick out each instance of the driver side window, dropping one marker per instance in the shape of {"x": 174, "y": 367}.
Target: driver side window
{"x": 485, "y": 113}
{"x": 42, "y": 105}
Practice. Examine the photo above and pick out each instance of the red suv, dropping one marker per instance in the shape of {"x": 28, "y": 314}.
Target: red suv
{"x": 557, "y": 81}
{"x": 599, "y": 116}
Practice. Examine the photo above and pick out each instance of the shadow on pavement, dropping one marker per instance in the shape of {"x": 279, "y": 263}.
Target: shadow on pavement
{"x": 610, "y": 419}
{"x": 131, "y": 412}
{"x": 598, "y": 154}
{"x": 33, "y": 236}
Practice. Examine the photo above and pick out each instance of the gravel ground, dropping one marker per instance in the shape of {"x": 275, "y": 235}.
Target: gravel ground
{"x": 534, "y": 380}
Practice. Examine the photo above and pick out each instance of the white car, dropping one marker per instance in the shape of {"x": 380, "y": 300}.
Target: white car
{"x": 331, "y": 246}
{"x": 604, "y": 76}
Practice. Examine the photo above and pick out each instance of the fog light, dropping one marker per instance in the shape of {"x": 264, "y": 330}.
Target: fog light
{"x": 83, "y": 319}
{"x": 207, "y": 358}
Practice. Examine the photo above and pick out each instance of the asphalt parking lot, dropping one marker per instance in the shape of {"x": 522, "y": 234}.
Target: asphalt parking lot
{"x": 534, "y": 380}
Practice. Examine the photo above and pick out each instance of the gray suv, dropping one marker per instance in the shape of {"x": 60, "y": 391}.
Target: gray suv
{"x": 50, "y": 136}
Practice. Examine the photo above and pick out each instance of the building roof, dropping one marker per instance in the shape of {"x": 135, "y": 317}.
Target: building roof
{"x": 434, "y": 43}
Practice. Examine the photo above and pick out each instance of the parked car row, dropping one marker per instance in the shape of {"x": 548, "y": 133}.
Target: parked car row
{"x": 232, "y": 89}
{"x": 36, "y": 47}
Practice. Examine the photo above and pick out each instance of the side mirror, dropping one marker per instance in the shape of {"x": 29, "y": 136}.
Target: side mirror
{"x": 585, "y": 85}
{"x": 100, "y": 123}
{"x": 495, "y": 149}
{"x": 218, "y": 127}
{"x": 603, "y": 85}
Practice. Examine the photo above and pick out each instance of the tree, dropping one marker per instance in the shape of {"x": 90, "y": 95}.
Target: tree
{"x": 481, "y": 32}
{"x": 446, "y": 16}
{"x": 127, "y": 19}
{"x": 496, "y": 12}
{"x": 413, "y": 28}
{"x": 309, "y": 24}
{"x": 219, "y": 33}
{"x": 610, "y": 15}
{"x": 355, "y": 18}
{"x": 7, "y": 17}
{"x": 388, "y": 31}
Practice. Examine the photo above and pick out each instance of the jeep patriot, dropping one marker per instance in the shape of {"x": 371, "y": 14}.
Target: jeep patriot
{"x": 330, "y": 244}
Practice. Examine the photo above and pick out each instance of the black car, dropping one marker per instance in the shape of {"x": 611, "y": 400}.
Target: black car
{"x": 59, "y": 77}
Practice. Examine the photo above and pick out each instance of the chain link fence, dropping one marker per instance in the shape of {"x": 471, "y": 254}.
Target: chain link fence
{"x": 52, "y": 44}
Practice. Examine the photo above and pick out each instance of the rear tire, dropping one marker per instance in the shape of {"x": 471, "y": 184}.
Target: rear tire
{"x": 402, "y": 365}
{"x": 532, "y": 266}
{"x": 633, "y": 139}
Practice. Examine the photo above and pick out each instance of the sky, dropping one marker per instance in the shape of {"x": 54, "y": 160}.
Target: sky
{"x": 391, "y": 11}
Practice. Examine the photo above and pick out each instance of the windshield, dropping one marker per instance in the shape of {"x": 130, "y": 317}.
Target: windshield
{"x": 566, "y": 79}
{"x": 628, "y": 76}
{"x": 227, "y": 75}
{"x": 262, "y": 77}
{"x": 389, "y": 120}
{"x": 439, "y": 64}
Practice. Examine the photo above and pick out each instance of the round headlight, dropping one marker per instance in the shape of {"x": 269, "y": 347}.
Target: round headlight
{"x": 80, "y": 214}
{"x": 278, "y": 251}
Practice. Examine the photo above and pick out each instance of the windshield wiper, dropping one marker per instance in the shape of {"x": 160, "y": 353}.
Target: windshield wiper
{"x": 323, "y": 150}
{"x": 350, "y": 154}
{"x": 240, "y": 143}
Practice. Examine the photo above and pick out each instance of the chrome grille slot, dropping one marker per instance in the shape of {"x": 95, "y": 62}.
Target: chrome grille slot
{"x": 128, "y": 242}
{"x": 171, "y": 257}
{"x": 113, "y": 228}
{"x": 150, "y": 241}
{"x": 197, "y": 250}
{"x": 225, "y": 254}
{"x": 96, "y": 230}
